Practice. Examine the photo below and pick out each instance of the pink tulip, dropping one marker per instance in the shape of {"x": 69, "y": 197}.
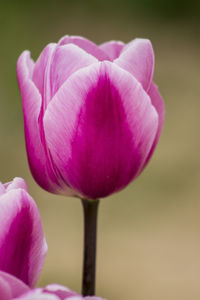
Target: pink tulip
{"x": 23, "y": 248}
{"x": 92, "y": 114}
{"x": 55, "y": 292}
{"x": 22, "y": 244}
{"x": 12, "y": 288}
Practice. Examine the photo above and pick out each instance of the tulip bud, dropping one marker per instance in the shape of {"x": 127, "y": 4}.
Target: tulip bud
{"x": 55, "y": 292}
{"x": 92, "y": 114}
{"x": 22, "y": 244}
{"x": 23, "y": 248}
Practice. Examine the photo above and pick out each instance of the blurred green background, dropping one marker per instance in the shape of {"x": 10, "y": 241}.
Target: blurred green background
{"x": 149, "y": 233}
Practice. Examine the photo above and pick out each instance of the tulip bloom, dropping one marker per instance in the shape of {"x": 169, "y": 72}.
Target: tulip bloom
{"x": 92, "y": 114}
{"x": 22, "y": 244}
{"x": 23, "y": 248}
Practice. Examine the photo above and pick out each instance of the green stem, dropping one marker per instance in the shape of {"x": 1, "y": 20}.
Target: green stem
{"x": 90, "y": 208}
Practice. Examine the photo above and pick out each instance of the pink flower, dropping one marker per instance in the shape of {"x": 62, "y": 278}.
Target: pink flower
{"x": 12, "y": 288}
{"x": 22, "y": 244}
{"x": 23, "y": 248}
{"x": 92, "y": 114}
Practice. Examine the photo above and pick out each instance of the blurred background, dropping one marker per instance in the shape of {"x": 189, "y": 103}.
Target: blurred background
{"x": 149, "y": 233}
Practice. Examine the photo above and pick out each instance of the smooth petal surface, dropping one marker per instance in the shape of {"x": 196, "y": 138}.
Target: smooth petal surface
{"x": 109, "y": 131}
{"x": 5, "y": 293}
{"x": 11, "y": 287}
{"x": 73, "y": 118}
{"x": 112, "y": 48}
{"x": 86, "y": 45}
{"x": 41, "y": 73}
{"x": 158, "y": 103}
{"x": 35, "y": 296}
{"x": 137, "y": 58}
{"x": 57, "y": 292}
{"x": 22, "y": 244}
{"x": 16, "y": 183}
{"x": 67, "y": 59}
{"x": 60, "y": 291}
{"x": 40, "y": 163}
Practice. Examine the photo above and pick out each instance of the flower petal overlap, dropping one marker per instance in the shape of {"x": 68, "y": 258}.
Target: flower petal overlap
{"x": 92, "y": 114}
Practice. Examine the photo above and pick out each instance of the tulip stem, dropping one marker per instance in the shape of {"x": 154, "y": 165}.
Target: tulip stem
{"x": 90, "y": 208}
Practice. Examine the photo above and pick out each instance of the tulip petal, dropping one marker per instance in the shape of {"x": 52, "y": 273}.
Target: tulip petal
{"x": 33, "y": 295}
{"x": 5, "y": 293}
{"x": 86, "y": 45}
{"x": 40, "y": 163}
{"x": 93, "y": 298}
{"x": 11, "y": 287}
{"x": 61, "y": 291}
{"x": 40, "y": 294}
{"x": 112, "y": 48}
{"x": 66, "y": 60}
{"x": 158, "y": 103}
{"x": 41, "y": 73}
{"x": 16, "y": 183}
{"x": 22, "y": 243}
{"x": 25, "y": 66}
{"x": 2, "y": 189}
{"x": 137, "y": 58}
{"x": 105, "y": 131}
